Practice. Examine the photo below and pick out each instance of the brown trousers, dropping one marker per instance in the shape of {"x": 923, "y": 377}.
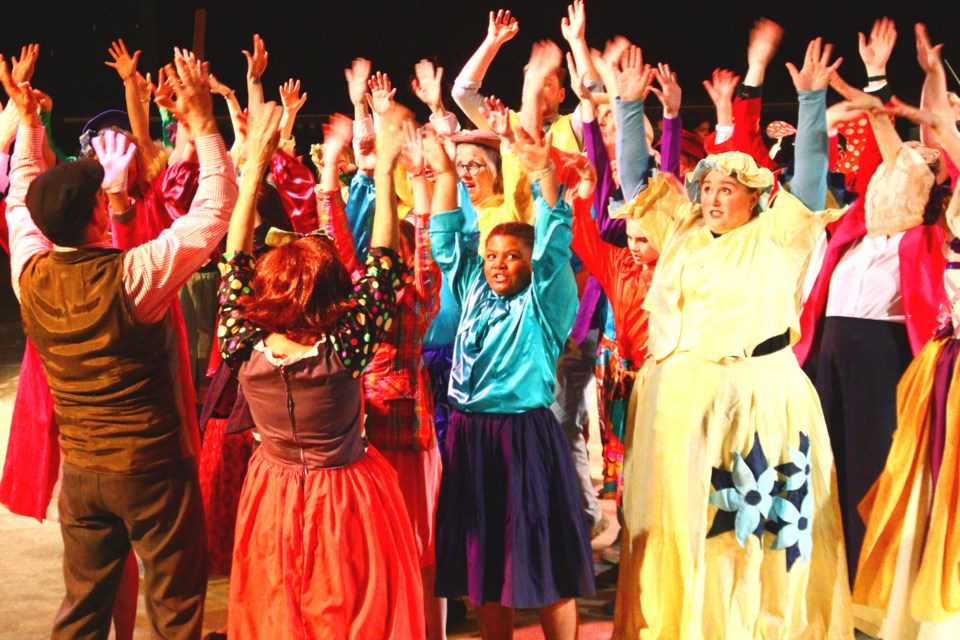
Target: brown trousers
{"x": 160, "y": 513}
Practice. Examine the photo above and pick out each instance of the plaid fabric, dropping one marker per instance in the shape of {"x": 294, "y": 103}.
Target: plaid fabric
{"x": 615, "y": 378}
{"x": 399, "y": 400}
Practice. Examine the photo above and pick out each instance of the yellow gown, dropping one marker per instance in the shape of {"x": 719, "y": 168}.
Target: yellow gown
{"x": 732, "y": 526}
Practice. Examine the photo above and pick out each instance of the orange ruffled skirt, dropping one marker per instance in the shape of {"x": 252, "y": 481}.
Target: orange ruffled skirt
{"x": 908, "y": 579}
{"x": 328, "y": 555}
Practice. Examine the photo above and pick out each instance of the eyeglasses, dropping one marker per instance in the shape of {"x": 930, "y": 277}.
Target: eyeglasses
{"x": 473, "y": 168}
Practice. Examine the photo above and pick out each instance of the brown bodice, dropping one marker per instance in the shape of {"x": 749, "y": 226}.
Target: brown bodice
{"x": 307, "y": 408}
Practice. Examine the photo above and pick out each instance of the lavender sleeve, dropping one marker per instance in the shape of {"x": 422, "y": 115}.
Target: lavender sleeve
{"x": 610, "y": 229}
{"x": 670, "y": 146}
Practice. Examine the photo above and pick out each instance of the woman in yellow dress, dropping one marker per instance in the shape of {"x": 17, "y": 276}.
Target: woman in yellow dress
{"x": 732, "y": 525}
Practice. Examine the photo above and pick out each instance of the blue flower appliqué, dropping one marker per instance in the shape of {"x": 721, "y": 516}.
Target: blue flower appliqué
{"x": 797, "y": 530}
{"x": 791, "y": 518}
{"x": 743, "y": 495}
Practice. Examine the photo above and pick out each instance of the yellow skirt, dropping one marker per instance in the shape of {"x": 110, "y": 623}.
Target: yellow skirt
{"x": 711, "y": 549}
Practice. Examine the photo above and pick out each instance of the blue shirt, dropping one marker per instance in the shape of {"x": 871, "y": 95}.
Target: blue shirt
{"x": 505, "y": 354}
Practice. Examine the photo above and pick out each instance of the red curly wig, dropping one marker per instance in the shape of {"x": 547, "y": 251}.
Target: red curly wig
{"x": 299, "y": 290}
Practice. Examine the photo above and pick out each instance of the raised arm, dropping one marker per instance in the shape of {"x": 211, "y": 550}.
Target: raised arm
{"x": 876, "y": 51}
{"x": 256, "y": 65}
{"x": 670, "y": 96}
{"x": 765, "y": 39}
{"x": 545, "y": 58}
{"x": 154, "y": 271}
{"x": 812, "y": 155}
{"x": 126, "y": 67}
{"x": 633, "y": 158}
{"x": 721, "y": 87}
{"x": 412, "y": 161}
{"x": 292, "y": 103}
{"x": 385, "y": 232}
{"x": 573, "y": 28}
{"x": 501, "y": 28}
{"x": 262, "y": 139}
{"x": 332, "y": 217}
{"x": 25, "y": 165}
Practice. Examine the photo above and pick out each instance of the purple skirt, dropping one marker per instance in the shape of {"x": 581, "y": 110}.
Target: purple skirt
{"x": 510, "y": 524}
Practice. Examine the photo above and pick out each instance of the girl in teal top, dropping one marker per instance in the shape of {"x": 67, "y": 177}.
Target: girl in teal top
{"x": 510, "y": 527}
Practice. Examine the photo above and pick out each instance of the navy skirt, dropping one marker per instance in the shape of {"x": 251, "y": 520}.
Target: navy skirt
{"x": 510, "y": 524}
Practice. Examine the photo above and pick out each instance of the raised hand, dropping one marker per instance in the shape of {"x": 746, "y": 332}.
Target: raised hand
{"x": 816, "y": 71}
{"x": 145, "y": 87}
{"x": 876, "y": 51}
{"x": 669, "y": 92}
{"x": 124, "y": 64}
{"x": 633, "y": 77}
{"x": 21, "y": 94}
{"x": 573, "y": 27}
{"x": 218, "y": 87}
{"x": 193, "y": 104}
{"x": 44, "y": 101}
{"x": 263, "y": 133}
{"x": 114, "y": 153}
{"x": 256, "y": 61}
{"x": 164, "y": 91}
{"x": 290, "y": 96}
{"x": 721, "y": 86}
{"x": 502, "y": 27}
{"x": 337, "y": 134}
{"x": 576, "y": 80}
{"x": 357, "y": 76}
{"x": 381, "y": 93}
{"x": 498, "y": 117}
{"x": 928, "y": 55}
{"x": 765, "y": 39}
{"x": 545, "y": 58}
{"x": 411, "y": 155}
{"x": 435, "y": 155}
{"x": 23, "y": 68}
{"x": 427, "y": 85}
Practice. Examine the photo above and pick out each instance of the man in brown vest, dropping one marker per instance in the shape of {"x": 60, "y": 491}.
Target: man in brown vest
{"x": 100, "y": 321}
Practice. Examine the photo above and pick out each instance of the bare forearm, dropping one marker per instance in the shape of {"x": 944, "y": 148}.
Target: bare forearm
{"x": 139, "y": 122}
{"x": 581, "y": 55}
{"x": 476, "y": 68}
{"x": 888, "y": 140}
{"x": 385, "y": 232}
{"x": 445, "y": 192}
{"x": 240, "y": 235}
{"x": 421, "y": 194}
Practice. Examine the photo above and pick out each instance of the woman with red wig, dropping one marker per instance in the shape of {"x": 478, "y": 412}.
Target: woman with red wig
{"x": 323, "y": 546}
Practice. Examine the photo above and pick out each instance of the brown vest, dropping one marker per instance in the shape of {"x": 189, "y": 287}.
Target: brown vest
{"x": 110, "y": 376}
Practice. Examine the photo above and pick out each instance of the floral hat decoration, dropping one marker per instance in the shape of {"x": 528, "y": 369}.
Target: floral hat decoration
{"x": 732, "y": 163}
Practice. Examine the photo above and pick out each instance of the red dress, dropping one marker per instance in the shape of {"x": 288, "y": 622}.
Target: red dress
{"x": 323, "y": 545}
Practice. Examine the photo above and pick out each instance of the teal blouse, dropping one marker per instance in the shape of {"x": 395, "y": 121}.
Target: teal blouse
{"x": 506, "y": 349}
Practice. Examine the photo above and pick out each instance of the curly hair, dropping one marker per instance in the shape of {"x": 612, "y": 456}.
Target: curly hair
{"x": 299, "y": 290}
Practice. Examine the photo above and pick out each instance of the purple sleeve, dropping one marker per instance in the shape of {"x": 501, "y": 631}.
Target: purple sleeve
{"x": 670, "y": 146}
{"x": 597, "y": 154}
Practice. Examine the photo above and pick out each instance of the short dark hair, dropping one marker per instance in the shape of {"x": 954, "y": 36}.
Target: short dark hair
{"x": 520, "y": 230}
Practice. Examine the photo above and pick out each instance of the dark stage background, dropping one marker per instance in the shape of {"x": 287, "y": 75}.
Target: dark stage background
{"x": 314, "y": 41}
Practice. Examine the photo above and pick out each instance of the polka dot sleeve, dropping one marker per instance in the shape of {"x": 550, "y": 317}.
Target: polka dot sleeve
{"x": 373, "y": 304}
{"x": 235, "y": 335}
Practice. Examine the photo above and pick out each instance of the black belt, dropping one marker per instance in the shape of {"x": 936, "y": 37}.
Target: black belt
{"x": 772, "y": 345}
